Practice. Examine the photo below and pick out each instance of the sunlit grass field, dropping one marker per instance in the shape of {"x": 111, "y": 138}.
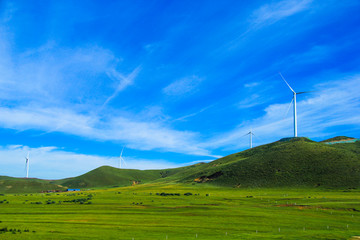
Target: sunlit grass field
{"x": 142, "y": 212}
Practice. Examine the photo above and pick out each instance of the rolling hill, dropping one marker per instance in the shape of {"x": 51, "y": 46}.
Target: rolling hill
{"x": 110, "y": 176}
{"x": 338, "y": 138}
{"x": 15, "y": 185}
{"x": 298, "y": 162}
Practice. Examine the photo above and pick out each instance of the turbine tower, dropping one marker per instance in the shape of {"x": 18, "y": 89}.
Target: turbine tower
{"x": 121, "y": 158}
{"x": 251, "y": 134}
{"x": 27, "y": 165}
{"x": 293, "y": 99}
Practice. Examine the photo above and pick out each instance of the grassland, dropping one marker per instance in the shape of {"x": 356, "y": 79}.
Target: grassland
{"x": 296, "y": 189}
{"x": 209, "y": 213}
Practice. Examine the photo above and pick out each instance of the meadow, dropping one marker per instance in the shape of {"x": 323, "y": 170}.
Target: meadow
{"x": 174, "y": 211}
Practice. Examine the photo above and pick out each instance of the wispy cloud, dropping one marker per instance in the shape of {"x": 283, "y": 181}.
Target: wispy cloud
{"x": 263, "y": 16}
{"x": 183, "y": 118}
{"x": 54, "y": 163}
{"x": 60, "y": 75}
{"x": 337, "y": 103}
{"x": 252, "y": 101}
{"x": 142, "y": 135}
{"x": 187, "y": 85}
{"x": 6, "y": 13}
{"x": 273, "y": 12}
{"x": 123, "y": 81}
{"x": 54, "y": 89}
{"x": 251, "y": 84}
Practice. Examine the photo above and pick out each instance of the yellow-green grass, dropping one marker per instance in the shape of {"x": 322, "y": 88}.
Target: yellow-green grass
{"x": 226, "y": 213}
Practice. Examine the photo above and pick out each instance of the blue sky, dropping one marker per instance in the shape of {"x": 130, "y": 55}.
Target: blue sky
{"x": 175, "y": 82}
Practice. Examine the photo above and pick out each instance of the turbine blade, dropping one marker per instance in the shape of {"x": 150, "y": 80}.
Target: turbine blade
{"x": 288, "y": 108}
{"x": 305, "y": 92}
{"x": 124, "y": 161}
{"x": 122, "y": 152}
{"x": 286, "y": 82}
{"x": 245, "y": 134}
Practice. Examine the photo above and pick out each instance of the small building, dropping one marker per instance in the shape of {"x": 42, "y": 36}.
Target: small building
{"x": 72, "y": 189}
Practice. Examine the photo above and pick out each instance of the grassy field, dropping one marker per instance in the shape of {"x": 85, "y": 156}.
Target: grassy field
{"x": 150, "y": 212}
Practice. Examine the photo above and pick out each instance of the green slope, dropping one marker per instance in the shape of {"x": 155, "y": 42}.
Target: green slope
{"x": 352, "y": 147}
{"x": 107, "y": 176}
{"x": 338, "y": 138}
{"x": 15, "y": 185}
{"x": 298, "y": 162}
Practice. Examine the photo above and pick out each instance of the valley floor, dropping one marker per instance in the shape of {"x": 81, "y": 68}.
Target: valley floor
{"x": 164, "y": 212}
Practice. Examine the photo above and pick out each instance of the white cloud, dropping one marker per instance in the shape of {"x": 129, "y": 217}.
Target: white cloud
{"x": 184, "y": 118}
{"x": 273, "y": 12}
{"x": 337, "y": 103}
{"x": 187, "y": 85}
{"x": 251, "y": 85}
{"x": 60, "y": 75}
{"x": 252, "y": 101}
{"x": 54, "y": 163}
{"x": 136, "y": 134}
{"x": 57, "y": 89}
{"x": 8, "y": 10}
{"x": 123, "y": 81}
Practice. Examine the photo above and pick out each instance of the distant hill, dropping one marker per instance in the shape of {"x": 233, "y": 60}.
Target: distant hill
{"x": 296, "y": 162}
{"x": 110, "y": 176}
{"x": 26, "y": 185}
{"x": 338, "y": 138}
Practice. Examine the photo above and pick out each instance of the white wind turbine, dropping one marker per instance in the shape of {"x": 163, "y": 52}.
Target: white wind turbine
{"x": 293, "y": 99}
{"x": 121, "y": 158}
{"x": 251, "y": 134}
{"x": 27, "y": 165}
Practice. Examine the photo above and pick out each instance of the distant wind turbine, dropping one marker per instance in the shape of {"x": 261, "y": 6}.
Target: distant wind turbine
{"x": 27, "y": 165}
{"x": 293, "y": 100}
{"x": 251, "y": 134}
{"x": 121, "y": 158}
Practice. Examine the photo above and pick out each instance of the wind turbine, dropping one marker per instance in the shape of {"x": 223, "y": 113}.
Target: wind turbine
{"x": 293, "y": 99}
{"x": 251, "y": 134}
{"x": 27, "y": 165}
{"x": 121, "y": 158}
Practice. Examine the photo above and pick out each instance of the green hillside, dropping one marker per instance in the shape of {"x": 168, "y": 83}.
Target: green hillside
{"x": 298, "y": 162}
{"x": 107, "y": 176}
{"x": 26, "y": 185}
{"x": 338, "y": 138}
{"x": 352, "y": 147}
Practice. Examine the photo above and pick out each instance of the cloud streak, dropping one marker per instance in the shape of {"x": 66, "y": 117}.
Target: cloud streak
{"x": 124, "y": 82}
{"x": 273, "y": 12}
{"x": 136, "y": 134}
{"x": 184, "y": 86}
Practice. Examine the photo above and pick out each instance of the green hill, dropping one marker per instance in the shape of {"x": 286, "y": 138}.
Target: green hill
{"x": 297, "y": 162}
{"x": 27, "y": 185}
{"x": 292, "y": 162}
{"x": 338, "y": 138}
{"x": 107, "y": 176}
